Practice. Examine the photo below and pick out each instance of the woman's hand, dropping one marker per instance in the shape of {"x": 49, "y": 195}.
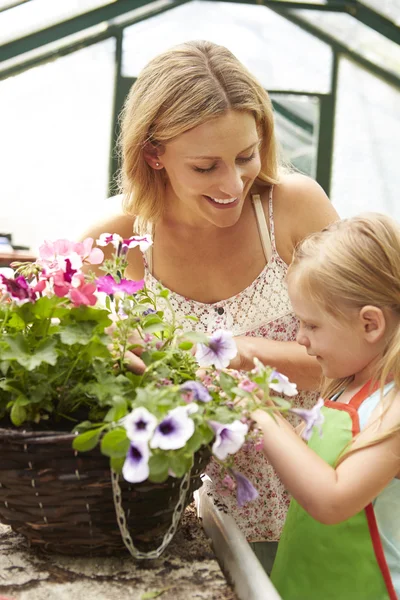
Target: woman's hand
{"x": 131, "y": 357}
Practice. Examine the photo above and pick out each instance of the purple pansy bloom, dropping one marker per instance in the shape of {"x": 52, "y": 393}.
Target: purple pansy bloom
{"x": 313, "y": 418}
{"x": 108, "y": 285}
{"x": 229, "y": 438}
{"x": 140, "y": 424}
{"x": 198, "y": 391}
{"x": 245, "y": 491}
{"x": 175, "y": 429}
{"x": 281, "y": 384}
{"x": 219, "y": 352}
{"x": 18, "y": 289}
{"x": 136, "y": 465}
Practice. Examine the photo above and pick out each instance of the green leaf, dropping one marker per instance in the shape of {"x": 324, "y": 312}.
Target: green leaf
{"x": 87, "y": 441}
{"x": 154, "y": 594}
{"x": 115, "y": 443}
{"x": 117, "y": 411}
{"x": 227, "y": 382}
{"x": 19, "y": 350}
{"x": 164, "y": 293}
{"x": 15, "y": 322}
{"x": 180, "y": 463}
{"x": 158, "y": 465}
{"x": 77, "y": 333}
{"x": 117, "y": 463}
{"x": 155, "y": 328}
{"x": 18, "y": 414}
{"x": 185, "y": 345}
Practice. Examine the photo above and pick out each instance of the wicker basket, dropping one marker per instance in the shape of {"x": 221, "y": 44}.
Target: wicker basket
{"x": 65, "y": 501}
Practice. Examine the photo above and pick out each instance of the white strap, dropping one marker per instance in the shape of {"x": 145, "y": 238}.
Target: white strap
{"x": 262, "y": 226}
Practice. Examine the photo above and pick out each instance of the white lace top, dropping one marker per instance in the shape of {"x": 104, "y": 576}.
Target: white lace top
{"x": 261, "y": 310}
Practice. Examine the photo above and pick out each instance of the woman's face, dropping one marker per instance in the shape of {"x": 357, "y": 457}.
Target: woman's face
{"x": 210, "y": 170}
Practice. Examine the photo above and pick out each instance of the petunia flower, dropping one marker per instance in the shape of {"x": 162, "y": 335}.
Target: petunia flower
{"x": 108, "y": 285}
{"x": 245, "y": 491}
{"x": 313, "y": 418}
{"x": 197, "y": 391}
{"x": 281, "y": 384}
{"x": 219, "y": 351}
{"x": 175, "y": 429}
{"x": 144, "y": 242}
{"x": 140, "y": 424}
{"x": 229, "y": 438}
{"x": 136, "y": 465}
{"x": 18, "y": 289}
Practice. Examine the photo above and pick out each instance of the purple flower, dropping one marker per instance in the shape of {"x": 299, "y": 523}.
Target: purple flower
{"x": 174, "y": 431}
{"x": 313, "y": 418}
{"x": 140, "y": 424}
{"x": 229, "y": 438}
{"x": 18, "y": 289}
{"x": 136, "y": 465}
{"x": 281, "y": 384}
{"x": 108, "y": 285}
{"x": 198, "y": 391}
{"x": 245, "y": 491}
{"x": 219, "y": 352}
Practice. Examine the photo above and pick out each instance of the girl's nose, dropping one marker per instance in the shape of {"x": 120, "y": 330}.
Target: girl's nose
{"x": 302, "y": 339}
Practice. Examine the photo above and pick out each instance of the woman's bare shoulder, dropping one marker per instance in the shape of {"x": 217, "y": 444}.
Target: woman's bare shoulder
{"x": 302, "y": 205}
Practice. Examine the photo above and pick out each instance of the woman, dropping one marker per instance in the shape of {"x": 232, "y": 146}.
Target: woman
{"x": 200, "y": 172}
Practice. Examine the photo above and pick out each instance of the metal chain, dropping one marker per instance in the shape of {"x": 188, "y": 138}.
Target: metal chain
{"x": 121, "y": 518}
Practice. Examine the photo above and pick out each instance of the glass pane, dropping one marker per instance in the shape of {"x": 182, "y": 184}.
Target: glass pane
{"x": 280, "y": 54}
{"x": 388, "y": 8}
{"x": 38, "y": 14}
{"x": 366, "y": 174}
{"x": 55, "y": 123}
{"x": 364, "y": 40}
{"x": 296, "y": 120}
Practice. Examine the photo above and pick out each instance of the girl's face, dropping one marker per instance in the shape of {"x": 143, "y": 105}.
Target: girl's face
{"x": 342, "y": 347}
{"x": 210, "y": 170}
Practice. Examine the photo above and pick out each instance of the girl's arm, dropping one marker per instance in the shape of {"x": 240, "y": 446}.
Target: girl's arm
{"x": 333, "y": 495}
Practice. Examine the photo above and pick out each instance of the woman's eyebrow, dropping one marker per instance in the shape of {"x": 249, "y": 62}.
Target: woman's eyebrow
{"x": 217, "y": 157}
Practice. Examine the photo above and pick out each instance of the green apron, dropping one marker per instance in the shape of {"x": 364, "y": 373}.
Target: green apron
{"x": 333, "y": 562}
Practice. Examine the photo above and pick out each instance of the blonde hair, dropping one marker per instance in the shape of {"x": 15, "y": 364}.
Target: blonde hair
{"x": 177, "y": 91}
{"x": 350, "y": 264}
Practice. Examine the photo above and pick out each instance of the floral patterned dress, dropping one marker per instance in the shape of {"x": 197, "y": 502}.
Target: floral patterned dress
{"x": 262, "y": 309}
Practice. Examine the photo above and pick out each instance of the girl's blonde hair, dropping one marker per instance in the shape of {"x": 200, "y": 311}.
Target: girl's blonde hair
{"x": 350, "y": 264}
{"x": 178, "y": 90}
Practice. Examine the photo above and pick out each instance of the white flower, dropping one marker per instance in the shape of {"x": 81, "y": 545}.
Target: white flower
{"x": 175, "y": 429}
{"x": 281, "y": 384}
{"x": 136, "y": 465}
{"x": 229, "y": 438}
{"x": 140, "y": 424}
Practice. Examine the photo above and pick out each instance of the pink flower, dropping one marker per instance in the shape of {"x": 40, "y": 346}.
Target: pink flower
{"x": 81, "y": 292}
{"x": 144, "y": 242}
{"x": 18, "y": 289}
{"x": 108, "y": 285}
{"x": 65, "y": 255}
{"x": 247, "y": 385}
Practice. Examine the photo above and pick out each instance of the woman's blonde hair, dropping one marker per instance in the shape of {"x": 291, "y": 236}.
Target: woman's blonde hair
{"x": 178, "y": 90}
{"x": 350, "y": 264}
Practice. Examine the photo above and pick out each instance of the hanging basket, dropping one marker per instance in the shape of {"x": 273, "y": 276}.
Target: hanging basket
{"x": 72, "y": 503}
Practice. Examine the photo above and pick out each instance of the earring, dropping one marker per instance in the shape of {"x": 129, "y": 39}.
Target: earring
{"x": 158, "y": 164}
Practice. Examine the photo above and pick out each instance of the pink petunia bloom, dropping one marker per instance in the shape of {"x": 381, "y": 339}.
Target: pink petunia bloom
{"x": 144, "y": 242}
{"x": 108, "y": 285}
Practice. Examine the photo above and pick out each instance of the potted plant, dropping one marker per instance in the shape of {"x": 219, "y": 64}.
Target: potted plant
{"x": 94, "y": 454}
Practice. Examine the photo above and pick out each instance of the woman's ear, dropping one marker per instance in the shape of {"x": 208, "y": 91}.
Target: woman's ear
{"x": 373, "y": 322}
{"x": 151, "y": 155}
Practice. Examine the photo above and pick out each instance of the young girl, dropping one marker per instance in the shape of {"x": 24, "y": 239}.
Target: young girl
{"x": 341, "y": 539}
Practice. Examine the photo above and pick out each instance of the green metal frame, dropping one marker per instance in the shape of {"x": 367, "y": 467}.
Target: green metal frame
{"x": 104, "y": 22}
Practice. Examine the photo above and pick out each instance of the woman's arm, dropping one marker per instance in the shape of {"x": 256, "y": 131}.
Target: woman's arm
{"x": 288, "y": 358}
{"x": 332, "y": 495}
